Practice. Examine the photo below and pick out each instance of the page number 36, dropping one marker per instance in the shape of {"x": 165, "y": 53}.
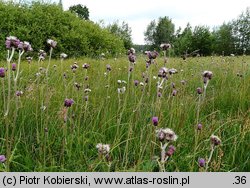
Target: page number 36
{"x": 240, "y": 180}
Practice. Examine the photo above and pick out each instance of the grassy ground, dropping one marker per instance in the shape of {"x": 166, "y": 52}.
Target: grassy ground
{"x": 40, "y": 134}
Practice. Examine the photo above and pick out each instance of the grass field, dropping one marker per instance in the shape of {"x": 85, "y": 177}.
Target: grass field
{"x": 41, "y": 134}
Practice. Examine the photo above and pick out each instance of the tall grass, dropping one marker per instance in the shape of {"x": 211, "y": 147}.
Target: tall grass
{"x": 44, "y": 140}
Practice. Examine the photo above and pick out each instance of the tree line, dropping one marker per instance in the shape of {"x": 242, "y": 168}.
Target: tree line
{"x": 229, "y": 38}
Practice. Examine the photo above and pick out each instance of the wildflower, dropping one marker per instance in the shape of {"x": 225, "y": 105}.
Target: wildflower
{"x": 19, "y": 93}
{"x": 207, "y": 74}
{"x": 2, "y": 72}
{"x": 215, "y": 140}
{"x": 119, "y": 81}
{"x": 172, "y": 71}
{"x": 51, "y": 43}
{"x": 41, "y": 55}
{"x": 68, "y": 102}
{"x": 85, "y": 66}
{"x": 77, "y": 85}
{"x": 159, "y": 94}
{"x": 63, "y": 56}
{"x": 166, "y": 134}
{"x": 108, "y": 67}
{"x": 86, "y": 98}
{"x": 174, "y": 93}
{"x": 155, "y": 121}
{"x": 121, "y": 90}
{"x": 2, "y": 158}
{"x": 12, "y": 42}
{"x": 74, "y": 67}
{"x": 103, "y": 149}
{"x": 87, "y": 90}
{"x": 199, "y": 126}
{"x": 183, "y": 82}
{"x": 173, "y": 85}
{"x": 152, "y": 55}
{"x": 132, "y": 58}
{"x": 13, "y": 66}
{"x": 201, "y": 162}
{"x": 131, "y": 69}
{"x": 165, "y": 46}
{"x": 136, "y": 82}
{"x": 199, "y": 90}
{"x": 29, "y": 59}
{"x": 163, "y": 72}
{"x": 171, "y": 150}
{"x": 131, "y": 51}
{"x": 25, "y": 46}
{"x": 141, "y": 84}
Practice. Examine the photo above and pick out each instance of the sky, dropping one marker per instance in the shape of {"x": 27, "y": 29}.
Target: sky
{"x": 139, "y": 13}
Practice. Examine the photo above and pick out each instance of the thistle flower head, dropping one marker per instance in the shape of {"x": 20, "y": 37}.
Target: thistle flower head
{"x": 165, "y": 46}
{"x": 201, "y": 162}
{"x": 207, "y": 74}
{"x": 172, "y": 71}
{"x": 136, "y": 82}
{"x": 199, "y": 126}
{"x": 215, "y": 140}
{"x": 29, "y": 59}
{"x": 162, "y": 72}
{"x": 155, "y": 120}
{"x": 131, "y": 51}
{"x": 199, "y": 90}
{"x": 2, "y": 158}
{"x": 85, "y": 66}
{"x": 51, "y": 43}
{"x": 108, "y": 67}
{"x": 171, "y": 150}
{"x": 121, "y": 90}
{"x": 41, "y": 55}
{"x": 166, "y": 134}
{"x": 63, "y": 56}
{"x": 25, "y": 46}
{"x": 13, "y": 66}
{"x": 132, "y": 58}
{"x": 2, "y": 72}
{"x": 152, "y": 55}
{"x": 174, "y": 93}
{"x": 103, "y": 149}
{"x": 12, "y": 42}
{"x": 19, "y": 93}
{"x": 68, "y": 102}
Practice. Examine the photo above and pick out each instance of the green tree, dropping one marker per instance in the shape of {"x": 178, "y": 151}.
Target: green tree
{"x": 80, "y": 11}
{"x": 242, "y": 32}
{"x": 122, "y": 31}
{"x": 224, "y": 41}
{"x": 162, "y": 32}
{"x": 202, "y": 40}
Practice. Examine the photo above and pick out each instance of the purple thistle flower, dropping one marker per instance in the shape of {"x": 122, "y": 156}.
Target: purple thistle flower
{"x": 51, "y": 43}
{"x": 13, "y": 66}
{"x": 207, "y": 74}
{"x": 159, "y": 94}
{"x": 12, "y": 41}
{"x": 155, "y": 121}
{"x": 199, "y": 90}
{"x": 201, "y": 162}
{"x": 165, "y": 46}
{"x": 174, "y": 93}
{"x": 131, "y": 51}
{"x": 29, "y": 59}
{"x": 173, "y": 85}
{"x": 152, "y": 55}
{"x": 19, "y": 93}
{"x": 215, "y": 140}
{"x": 2, "y": 158}
{"x": 2, "y": 72}
{"x": 170, "y": 151}
{"x": 25, "y": 46}
{"x": 136, "y": 82}
{"x": 68, "y": 102}
{"x": 199, "y": 126}
{"x": 85, "y": 66}
{"x": 131, "y": 58}
{"x": 108, "y": 67}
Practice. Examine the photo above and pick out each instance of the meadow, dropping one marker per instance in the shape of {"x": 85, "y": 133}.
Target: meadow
{"x": 45, "y": 130}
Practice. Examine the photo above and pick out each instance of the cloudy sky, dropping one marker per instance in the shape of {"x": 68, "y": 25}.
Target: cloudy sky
{"x": 138, "y": 13}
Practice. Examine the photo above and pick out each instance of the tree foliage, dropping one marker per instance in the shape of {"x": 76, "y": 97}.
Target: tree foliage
{"x": 37, "y": 22}
{"x": 80, "y": 11}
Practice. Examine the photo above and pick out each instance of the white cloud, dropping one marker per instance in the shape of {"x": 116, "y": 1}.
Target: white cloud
{"x": 139, "y": 13}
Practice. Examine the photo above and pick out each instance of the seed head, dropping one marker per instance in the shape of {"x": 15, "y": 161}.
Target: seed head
{"x": 215, "y": 140}
{"x": 165, "y": 46}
